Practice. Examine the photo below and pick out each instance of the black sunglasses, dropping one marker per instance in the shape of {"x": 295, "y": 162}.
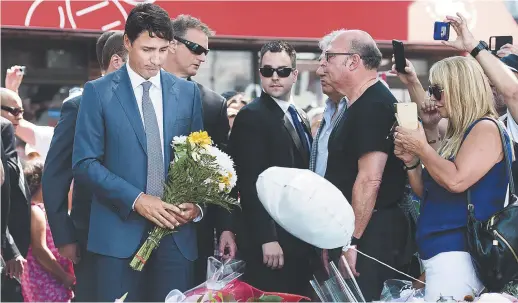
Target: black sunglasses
{"x": 282, "y": 72}
{"x": 193, "y": 47}
{"x": 435, "y": 91}
{"x": 15, "y": 111}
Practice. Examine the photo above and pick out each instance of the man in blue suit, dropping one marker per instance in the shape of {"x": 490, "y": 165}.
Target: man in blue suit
{"x": 126, "y": 123}
{"x": 70, "y": 231}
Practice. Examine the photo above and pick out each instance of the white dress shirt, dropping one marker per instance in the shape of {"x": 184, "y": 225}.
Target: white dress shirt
{"x": 285, "y": 105}
{"x": 155, "y": 93}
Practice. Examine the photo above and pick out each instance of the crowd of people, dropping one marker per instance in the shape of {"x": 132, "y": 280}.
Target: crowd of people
{"x": 89, "y": 190}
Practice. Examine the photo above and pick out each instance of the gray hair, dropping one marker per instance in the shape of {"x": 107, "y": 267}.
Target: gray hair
{"x": 368, "y": 51}
{"x": 182, "y": 23}
{"x": 326, "y": 41}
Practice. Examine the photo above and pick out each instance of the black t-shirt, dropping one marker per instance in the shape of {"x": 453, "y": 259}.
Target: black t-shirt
{"x": 364, "y": 128}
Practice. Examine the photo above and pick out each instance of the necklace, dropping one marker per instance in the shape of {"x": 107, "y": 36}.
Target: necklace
{"x": 361, "y": 91}
{"x": 375, "y": 78}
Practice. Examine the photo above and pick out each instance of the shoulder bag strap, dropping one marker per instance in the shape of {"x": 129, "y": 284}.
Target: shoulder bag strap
{"x": 507, "y": 157}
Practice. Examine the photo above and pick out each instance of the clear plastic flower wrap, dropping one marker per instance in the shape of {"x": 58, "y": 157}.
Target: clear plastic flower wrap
{"x": 223, "y": 285}
{"x": 401, "y": 291}
{"x": 336, "y": 285}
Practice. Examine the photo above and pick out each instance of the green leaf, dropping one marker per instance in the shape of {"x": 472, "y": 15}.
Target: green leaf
{"x": 269, "y": 298}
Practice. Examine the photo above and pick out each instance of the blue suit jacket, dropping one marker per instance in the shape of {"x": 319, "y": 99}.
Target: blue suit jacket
{"x": 110, "y": 157}
{"x": 56, "y": 180}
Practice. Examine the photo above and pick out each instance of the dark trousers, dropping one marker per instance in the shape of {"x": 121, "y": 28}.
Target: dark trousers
{"x": 166, "y": 269}
{"x": 292, "y": 278}
{"x": 85, "y": 275}
{"x": 11, "y": 290}
{"x": 205, "y": 236}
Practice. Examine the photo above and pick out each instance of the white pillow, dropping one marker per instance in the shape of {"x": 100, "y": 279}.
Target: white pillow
{"x": 307, "y": 206}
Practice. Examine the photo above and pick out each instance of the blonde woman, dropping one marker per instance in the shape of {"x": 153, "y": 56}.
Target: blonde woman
{"x": 471, "y": 156}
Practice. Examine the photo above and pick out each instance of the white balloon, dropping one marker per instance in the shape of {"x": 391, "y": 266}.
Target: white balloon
{"x": 307, "y": 206}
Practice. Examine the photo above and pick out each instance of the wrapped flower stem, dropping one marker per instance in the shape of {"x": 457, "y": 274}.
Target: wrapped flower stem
{"x": 152, "y": 242}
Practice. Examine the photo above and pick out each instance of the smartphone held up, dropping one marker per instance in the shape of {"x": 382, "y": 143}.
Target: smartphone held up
{"x": 441, "y": 31}
{"x": 496, "y": 43}
{"x": 399, "y": 56}
{"x": 406, "y": 114}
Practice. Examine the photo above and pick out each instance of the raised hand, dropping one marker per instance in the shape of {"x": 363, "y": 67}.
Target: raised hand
{"x": 409, "y": 140}
{"x": 404, "y": 156}
{"x": 507, "y": 50}
{"x": 429, "y": 114}
{"x": 13, "y": 78}
{"x": 465, "y": 40}
{"x": 410, "y": 77}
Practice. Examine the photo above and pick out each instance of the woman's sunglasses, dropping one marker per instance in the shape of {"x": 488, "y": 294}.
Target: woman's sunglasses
{"x": 282, "y": 72}
{"x": 193, "y": 47}
{"x": 435, "y": 91}
{"x": 15, "y": 111}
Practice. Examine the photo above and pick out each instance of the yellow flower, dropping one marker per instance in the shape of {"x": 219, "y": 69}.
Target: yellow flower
{"x": 200, "y": 138}
{"x": 225, "y": 179}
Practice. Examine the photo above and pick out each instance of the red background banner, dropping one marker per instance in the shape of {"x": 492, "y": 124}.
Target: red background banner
{"x": 384, "y": 20}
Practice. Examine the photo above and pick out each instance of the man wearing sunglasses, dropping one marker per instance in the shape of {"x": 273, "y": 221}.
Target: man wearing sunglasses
{"x": 186, "y": 54}
{"x": 271, "y": 131}
{"x": 19, "y": 220}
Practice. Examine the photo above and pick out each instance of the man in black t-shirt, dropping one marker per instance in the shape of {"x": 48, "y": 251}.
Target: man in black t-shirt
{"x": 361, "y": 161}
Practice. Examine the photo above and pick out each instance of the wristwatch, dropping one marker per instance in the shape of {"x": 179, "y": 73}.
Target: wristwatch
{"x": 355, "y": 241}
{"x": 481, "y": 45}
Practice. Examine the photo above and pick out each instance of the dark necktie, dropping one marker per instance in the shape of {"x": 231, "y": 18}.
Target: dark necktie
{"x": 299, "y": 128}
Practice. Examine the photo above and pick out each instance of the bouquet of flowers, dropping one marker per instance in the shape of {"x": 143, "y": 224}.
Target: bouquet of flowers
{"x": 200, "y": 173}
{"x": 223, "y": 285}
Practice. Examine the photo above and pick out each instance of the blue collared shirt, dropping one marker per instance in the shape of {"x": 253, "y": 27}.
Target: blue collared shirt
{"x": 325, "y": 132}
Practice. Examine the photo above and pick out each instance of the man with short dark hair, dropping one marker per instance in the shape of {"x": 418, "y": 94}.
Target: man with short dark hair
{"x": 188, "y": 52}
{"x": 70, "y": 231}
{"x": 99, "y": 46}
{"x": 271, "y": 131}
{"x": 114, "y": 53}
{"x": 122, "y": 151}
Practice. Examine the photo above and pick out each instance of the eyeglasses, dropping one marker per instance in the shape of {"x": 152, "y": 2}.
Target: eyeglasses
{"x": 15, "y": 111}
{"x": 282, "y": 72}
{"x": 330, "y": 55}
{"x": 193, "y": 47}
{"x": 435, "y": 91}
